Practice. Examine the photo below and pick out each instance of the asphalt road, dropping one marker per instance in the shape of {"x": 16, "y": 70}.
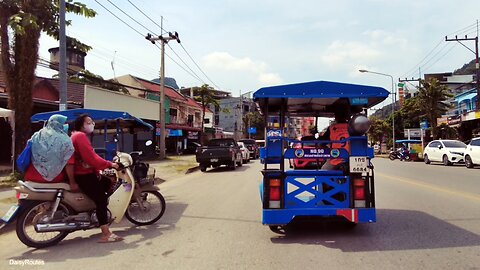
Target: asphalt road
{"x": 428, "y": 218}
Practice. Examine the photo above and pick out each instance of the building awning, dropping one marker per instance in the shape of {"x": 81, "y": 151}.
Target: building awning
{"x": 182, "y": 127}
{"x": 123, "y": 118}
{"x": 466, "y": 97}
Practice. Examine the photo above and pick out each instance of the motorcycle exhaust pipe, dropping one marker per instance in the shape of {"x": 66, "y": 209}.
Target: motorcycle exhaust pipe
{"x": 55, "y": 227}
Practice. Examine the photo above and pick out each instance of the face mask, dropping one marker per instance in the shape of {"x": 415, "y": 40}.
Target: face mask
{"x": 65, "y": 128}
{"x": 89, "y": 128}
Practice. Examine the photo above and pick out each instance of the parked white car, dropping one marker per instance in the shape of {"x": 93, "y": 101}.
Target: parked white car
{"x": 445, "y": 151}
{"x": 245, "y": 152}
{"x": 472, "y": 153}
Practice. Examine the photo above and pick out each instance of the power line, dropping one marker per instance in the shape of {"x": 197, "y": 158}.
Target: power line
{"x": 473, "y": 25}
{"x": 46, "y": 64}
{"x": 138, "y": 32}
{"x": 421, "y": 61}
{"x": 126, "y": 61}
{"x": 188, "y": 72}
{"x": 191, "y": 58}
{"x": 434, "y": 57}
{"x": 147, "y": 16}
{"x": 126, "y": 14}
{"x": 421, "y": 64}
{"x": 445, "y": 54}
{"x": 184, "y": 62}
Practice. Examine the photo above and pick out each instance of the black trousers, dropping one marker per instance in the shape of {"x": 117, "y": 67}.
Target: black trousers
{"x": 96, "y": 188}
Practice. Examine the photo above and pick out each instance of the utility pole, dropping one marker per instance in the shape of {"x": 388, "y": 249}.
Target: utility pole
{"x": 163, "y": 39}
{"x": 394, "y": 100}
{"x": 63, "y": 59}
{"x": 419, "y": 80}
{"x": 477, "y": 65}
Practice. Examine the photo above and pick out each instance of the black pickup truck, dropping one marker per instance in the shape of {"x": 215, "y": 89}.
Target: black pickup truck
{"x": 219, "y": 152}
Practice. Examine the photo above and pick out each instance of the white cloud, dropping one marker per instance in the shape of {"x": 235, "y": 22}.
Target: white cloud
{"x": 339, "y": 53}
{"x": 270, "y": 78}
{"x": 225, "y": 61}
{"x": 385, "y": 38}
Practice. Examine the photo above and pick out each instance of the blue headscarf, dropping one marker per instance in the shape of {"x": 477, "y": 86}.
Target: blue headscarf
{"x": 51, "y": 148}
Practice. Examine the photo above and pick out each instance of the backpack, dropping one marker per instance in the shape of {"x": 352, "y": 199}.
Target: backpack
{"x": 25, "y": 158}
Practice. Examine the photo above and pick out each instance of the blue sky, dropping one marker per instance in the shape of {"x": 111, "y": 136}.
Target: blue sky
{"x": 245, "y": 45}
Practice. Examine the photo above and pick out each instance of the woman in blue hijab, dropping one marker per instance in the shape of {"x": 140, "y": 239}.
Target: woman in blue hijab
{"x": 51, "y": 149}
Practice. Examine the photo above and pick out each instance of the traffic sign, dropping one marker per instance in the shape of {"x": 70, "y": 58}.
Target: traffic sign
{"x": 424, "y": 125}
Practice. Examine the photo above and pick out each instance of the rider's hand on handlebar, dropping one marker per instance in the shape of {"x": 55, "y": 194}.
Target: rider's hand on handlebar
{"x": 115, "y": 166}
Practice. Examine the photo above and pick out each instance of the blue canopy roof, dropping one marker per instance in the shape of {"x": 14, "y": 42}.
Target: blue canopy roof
{"x": 125, "y": 119}
{"x": 319, "y": 96}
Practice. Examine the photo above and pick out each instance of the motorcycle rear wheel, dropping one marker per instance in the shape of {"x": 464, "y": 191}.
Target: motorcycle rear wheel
{"x": 139, "y": 216}
{"x": 31, "y": 215}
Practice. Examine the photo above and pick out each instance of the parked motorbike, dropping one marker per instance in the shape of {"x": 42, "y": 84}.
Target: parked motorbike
{"x": 47, "y": 213}
{"x": 400, "y": 154}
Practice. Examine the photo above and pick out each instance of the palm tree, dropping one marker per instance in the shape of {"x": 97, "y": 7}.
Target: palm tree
{"x": 205, "y": 95}
{"x": 432, "y": 97}
{"x": 23, "y": 21}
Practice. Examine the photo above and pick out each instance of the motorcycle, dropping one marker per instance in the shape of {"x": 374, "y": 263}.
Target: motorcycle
{"x": 400, "y": 154}
{"x": 47, "y": 213}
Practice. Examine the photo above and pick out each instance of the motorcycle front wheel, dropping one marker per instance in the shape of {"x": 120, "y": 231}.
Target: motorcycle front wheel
{"x": 392, "y": 156}
{"x": 34, "y": 214}
{"x": 150, "y": 210}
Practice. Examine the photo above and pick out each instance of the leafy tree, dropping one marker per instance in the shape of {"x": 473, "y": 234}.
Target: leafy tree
{"x": 205, "y": 95}
{"x": 411, "y": 113}
{"x": 447, "y": 132}
{"x": 21, "y": 24}
{"x": 254, "y": 119}
{"x": 432, "y": 97}
{"x": 379, "y": 130}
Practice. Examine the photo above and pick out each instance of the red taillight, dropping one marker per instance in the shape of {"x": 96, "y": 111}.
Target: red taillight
{"x": 274, "y": 194}
{"x": 359, "y": 189}
{"x": 21, "y": 196}
{"x": 274, "y": 182}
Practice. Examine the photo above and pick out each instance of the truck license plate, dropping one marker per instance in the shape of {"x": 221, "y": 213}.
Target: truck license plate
{"x": 358, "y": 164}
{"x": 214, "y": 160}
{"x": 11, "y": 212}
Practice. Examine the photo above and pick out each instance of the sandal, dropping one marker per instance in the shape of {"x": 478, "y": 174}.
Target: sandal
{"x": 112, "y": 238}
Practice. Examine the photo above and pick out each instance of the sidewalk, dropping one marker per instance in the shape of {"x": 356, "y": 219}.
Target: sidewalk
{"x": 167, "y": 170}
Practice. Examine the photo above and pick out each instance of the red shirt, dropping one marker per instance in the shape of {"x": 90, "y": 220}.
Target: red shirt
{"x": 31, "y": 174}
{"x": 85, "y": 160}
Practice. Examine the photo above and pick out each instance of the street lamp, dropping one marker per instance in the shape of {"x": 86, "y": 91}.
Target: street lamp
{"x": 393, "y": 100}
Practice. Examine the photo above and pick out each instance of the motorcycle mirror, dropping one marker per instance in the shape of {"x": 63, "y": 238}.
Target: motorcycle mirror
{"x": 148, "y": 143}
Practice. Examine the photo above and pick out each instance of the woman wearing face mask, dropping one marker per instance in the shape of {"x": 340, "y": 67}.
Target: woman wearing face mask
{"x": 87, "y": 164}
{"x": 51, "y": 149}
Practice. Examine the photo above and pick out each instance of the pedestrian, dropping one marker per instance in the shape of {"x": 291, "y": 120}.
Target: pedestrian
{"x": 87, "y": 165}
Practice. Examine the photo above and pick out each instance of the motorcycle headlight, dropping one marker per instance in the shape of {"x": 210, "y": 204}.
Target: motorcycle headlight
{"x": 359, "y": 125}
